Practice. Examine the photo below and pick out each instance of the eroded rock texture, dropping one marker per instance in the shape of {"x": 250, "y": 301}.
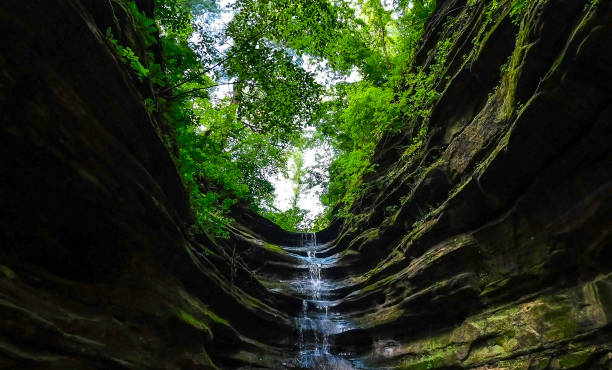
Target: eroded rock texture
{"x": 97, "y": 269}
{"x": 489, "y": 247}
{"x": 496, "y": 251}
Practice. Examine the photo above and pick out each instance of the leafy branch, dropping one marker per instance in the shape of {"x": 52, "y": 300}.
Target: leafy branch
{"x": 223, "y": 60}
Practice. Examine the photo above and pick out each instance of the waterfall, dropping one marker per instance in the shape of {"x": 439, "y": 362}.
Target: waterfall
{"x": 317, "y": 321}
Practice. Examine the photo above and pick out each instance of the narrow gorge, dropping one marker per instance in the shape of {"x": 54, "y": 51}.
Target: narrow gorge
{"x": 489, "y": 246}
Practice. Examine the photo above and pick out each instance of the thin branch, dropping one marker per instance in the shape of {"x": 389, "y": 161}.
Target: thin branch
{"x": 203, "y": 88}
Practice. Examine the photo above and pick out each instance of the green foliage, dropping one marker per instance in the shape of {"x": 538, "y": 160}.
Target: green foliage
{"x": 273, "y": 94}
{"x": 290, "y": 220}
{"x": 361, "y": 114}
{"x": 491, "y": 10}
{"x": 211, "y": 182}
{"x": 518, "y": 8}
{"x": 222, "y": 161}
{"x": 174, "y": 15}
{"x": 205, "y": 171}
{"x": 127, "y": 56}
{"x": 228, "y": 149}
{"x": 319, "y": 28}
{"x": 391, "y": 208}
{"x": 150, "y": 105}
{"x": 147, "y": 29}
{"x": 145, "y": 26}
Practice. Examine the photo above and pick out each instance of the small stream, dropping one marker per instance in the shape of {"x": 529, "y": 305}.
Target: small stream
{"x": 318, "y": 320}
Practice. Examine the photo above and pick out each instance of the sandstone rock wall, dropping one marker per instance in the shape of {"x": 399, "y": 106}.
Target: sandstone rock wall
{"x": 496, "y": 253}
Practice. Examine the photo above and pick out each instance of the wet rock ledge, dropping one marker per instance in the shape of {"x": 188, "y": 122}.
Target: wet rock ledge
{"x": 489, "y": 247}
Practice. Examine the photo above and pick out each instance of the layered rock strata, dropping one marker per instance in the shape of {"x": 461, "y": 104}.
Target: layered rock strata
{"x": 487, "y": 247}
{"x": 490, "y": 248}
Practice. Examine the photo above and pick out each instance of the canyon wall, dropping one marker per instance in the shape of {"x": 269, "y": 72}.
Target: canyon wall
{"x": 488, "y": 247}
{"x": 98, "y": 265}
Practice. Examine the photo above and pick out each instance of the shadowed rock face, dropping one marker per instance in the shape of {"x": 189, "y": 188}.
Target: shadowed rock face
{"x": 497, "y": 255}
{"x": 97, "y": 267}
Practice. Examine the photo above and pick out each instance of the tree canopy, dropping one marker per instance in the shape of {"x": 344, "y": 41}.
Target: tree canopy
{"x": 283, "y": 66}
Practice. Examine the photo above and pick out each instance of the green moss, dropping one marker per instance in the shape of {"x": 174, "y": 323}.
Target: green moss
{"x": 494, "y": 15}
{"x": 515, "y": 364}
{"x": 513, "y": 72}
{"x": 204, "y": 359}
{"x": 487, "y": 353}
{"x": 189, "y": 319}
{"x": 251, "y": 301}
{"x": 501, "y": 335}
{"x": 369, "y": 287}
{"x": 575, "y": 359}
{"x": 560, "y": 324}
{"x": 486, "y": 32}
{"x": 274, "y": 248}
{"x": 203, "y": 322}
{"x": 194, "y": 313}
{"x": 350, "y": 252}
{"x": 599, "y": 294}
{"x": 269, "y": 284}
{"x": 379, "y": 283}
{"x": 435, "y": 359}
{"x": 218, "y": 319}
{"x": 364, "y": 239}
{"x": 208, "y": 252}
{"x": 428, "y": 363}
{"x": 7, "y": 272}
{"x": 493, "y": 286}
{"x": 420, "y": 227}
{"x": 539, "y": 363}
{"x": 371, "y": 235}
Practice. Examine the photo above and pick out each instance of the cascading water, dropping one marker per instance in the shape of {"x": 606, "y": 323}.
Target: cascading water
{"x": 317, "y": 321}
